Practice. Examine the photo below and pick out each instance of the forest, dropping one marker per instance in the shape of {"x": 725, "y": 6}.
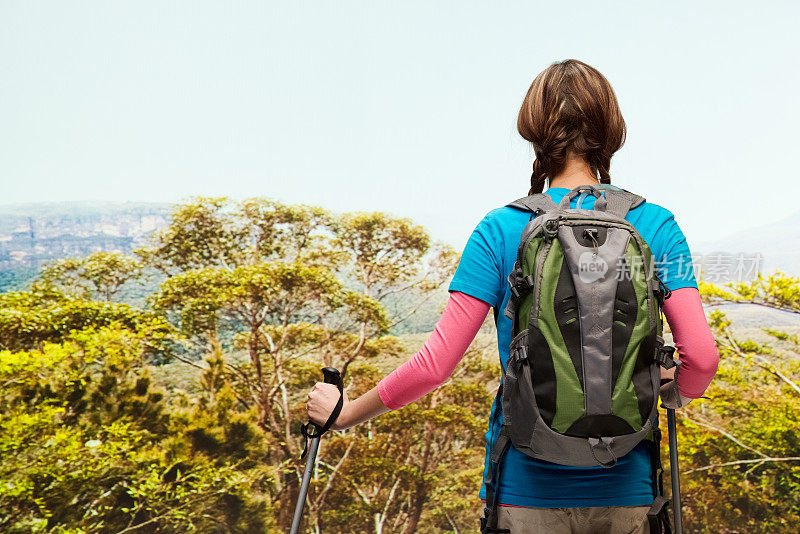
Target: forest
{"x": 163, "y": 391}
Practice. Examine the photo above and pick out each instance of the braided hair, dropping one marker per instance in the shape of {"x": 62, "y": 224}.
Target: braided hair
{"x": 571, "y": 109}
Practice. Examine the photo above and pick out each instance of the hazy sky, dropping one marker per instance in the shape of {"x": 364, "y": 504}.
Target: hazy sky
{"x": 402, "y": 107}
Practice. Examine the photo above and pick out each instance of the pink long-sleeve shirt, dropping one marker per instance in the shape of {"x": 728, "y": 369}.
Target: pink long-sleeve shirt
{"x": 463, "y": 316}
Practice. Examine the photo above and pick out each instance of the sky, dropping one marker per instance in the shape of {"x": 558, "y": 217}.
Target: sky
{"x": 408, "y": 108}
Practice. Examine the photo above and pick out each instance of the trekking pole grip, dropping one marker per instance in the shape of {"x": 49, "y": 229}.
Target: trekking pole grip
{"x": 331, "y": 375}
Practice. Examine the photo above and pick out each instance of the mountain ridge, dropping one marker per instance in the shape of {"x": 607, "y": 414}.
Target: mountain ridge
{"x": 778, "y": 242}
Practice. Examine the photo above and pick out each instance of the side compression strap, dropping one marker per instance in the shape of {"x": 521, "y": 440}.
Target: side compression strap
{"x": 658, "y": 516}
{"x": 492, "y": 478}
{"x": 492, "y": 481}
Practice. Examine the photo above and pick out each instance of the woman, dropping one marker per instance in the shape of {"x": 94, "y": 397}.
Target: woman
{"x": 571, "y": 117}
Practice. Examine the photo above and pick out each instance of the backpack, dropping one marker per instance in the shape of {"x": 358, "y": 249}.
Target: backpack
{"x": 582, "y": 379}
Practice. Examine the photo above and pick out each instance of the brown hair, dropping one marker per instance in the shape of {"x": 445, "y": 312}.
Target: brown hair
{"x": 570, "y": 108}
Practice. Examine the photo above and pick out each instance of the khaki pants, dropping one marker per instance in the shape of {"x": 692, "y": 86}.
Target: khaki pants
{"x": 596, "y": 520}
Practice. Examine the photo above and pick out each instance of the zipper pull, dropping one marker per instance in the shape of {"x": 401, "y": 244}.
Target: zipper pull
{"x": 591, "y": 233}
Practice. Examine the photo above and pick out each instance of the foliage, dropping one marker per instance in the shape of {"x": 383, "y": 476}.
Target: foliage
{"x": 89, "y": 446}
{"x": 415, "y": 469}
{"x": 30, "y": 318}
{"x": 740, "y": 447}
{"x": 777, "y": 290}
{"x": 99, "y": 275}
{"x": 16, "y": 277}
{"x": 255, "y": 297}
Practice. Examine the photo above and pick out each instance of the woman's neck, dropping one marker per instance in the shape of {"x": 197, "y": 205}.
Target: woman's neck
{"x": 576, "y": 172}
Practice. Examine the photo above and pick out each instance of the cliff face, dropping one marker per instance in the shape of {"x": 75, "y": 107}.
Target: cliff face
{"x": 33, "y": 234}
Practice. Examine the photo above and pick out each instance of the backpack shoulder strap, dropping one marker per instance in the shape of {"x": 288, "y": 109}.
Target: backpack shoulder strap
{"x": 538, "y": 203}
{"x": 619, "y": 201}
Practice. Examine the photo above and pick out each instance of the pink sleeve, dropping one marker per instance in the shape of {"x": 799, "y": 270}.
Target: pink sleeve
{"x": 437, "y": 359}
{"x": 693, "y": 340}
{"x": 463, "y": 316}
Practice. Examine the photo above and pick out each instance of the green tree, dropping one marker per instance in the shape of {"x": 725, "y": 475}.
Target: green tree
{"x": 740, "y": 451}
{"x": 256, "y": 297}
{"x": 30, "y": 318}
{"x": 290, "y": 286}
{"x": 97, "y": 276}
{"x": 88, "y": 445}
{"x": 777, "y": 290}
{"x": 418, "y": 466}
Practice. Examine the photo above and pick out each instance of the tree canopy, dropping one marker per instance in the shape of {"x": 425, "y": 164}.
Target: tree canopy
{"x": 182, "y": 414}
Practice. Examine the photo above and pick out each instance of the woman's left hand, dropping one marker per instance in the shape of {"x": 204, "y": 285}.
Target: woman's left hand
{"x": 322, "y": 400}
{"x": 671, "y": 398}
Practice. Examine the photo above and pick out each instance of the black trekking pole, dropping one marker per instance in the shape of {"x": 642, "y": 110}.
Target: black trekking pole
{"x": 331, "y": 376}
{"x": 673, "y": 466}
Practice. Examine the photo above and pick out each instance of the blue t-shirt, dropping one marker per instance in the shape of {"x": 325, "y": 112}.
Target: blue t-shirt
{"x": 485, "y": 264}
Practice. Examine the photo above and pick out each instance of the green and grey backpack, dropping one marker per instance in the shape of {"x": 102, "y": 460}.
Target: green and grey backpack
{"x": 582, "y": 379}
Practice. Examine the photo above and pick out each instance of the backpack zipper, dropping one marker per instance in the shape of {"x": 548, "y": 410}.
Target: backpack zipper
{"x": 537, "y": 280}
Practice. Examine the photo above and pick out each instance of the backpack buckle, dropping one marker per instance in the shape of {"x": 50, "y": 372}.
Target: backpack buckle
{"x": 661, "y": 292}
{"x": 520, "y": 286}
{"x": 664, "y": 357}
{"x": 486, "y": 529}
{"x": 603, "y": 444}
{"x": 550, "y": 228}
{"x": 519, "y": 353}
